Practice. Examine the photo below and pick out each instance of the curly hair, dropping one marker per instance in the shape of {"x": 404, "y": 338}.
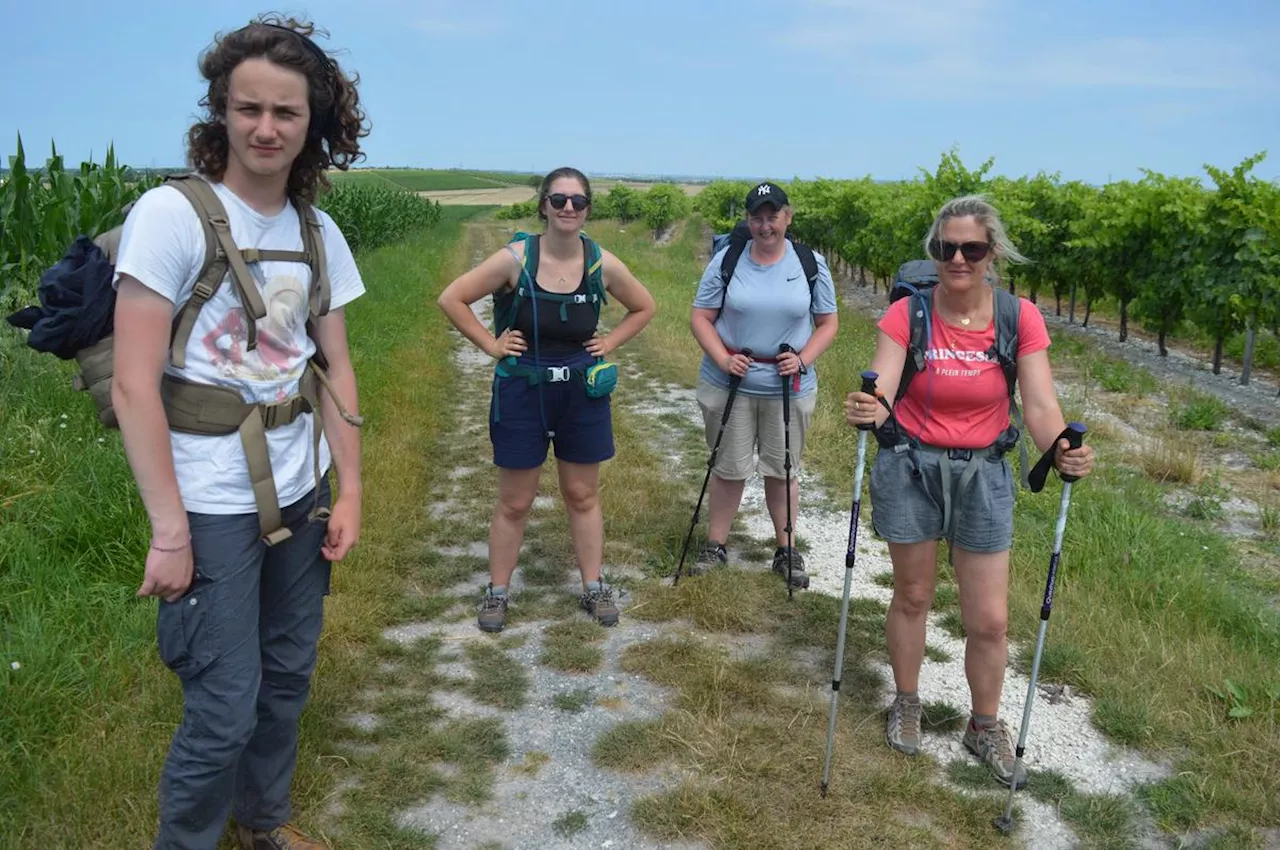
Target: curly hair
{"x": 544, "y": 191}
{"x": 337, "y": 123}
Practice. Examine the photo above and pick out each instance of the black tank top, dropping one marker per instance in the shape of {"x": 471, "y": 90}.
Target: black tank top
{"x": 563, "y": 327}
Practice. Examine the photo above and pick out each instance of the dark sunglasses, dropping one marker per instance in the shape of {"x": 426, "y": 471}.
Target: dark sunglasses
{"x": 558, "y": 200}
{"x": 972, "y": 251}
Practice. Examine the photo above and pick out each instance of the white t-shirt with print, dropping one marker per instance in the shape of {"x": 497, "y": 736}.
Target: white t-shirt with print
{"x": 163, "y": 246}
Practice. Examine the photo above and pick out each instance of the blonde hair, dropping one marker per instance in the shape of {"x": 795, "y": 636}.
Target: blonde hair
{"x": 985, "y": 214}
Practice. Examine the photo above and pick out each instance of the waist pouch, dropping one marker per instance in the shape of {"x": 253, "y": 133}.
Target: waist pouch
{"x": 601, "y": 378}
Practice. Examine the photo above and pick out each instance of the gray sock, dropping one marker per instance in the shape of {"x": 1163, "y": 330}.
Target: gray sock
{"x": 909, "y": 696}
{"x": 983, "y": 721}
{"x": 498, "y": 589}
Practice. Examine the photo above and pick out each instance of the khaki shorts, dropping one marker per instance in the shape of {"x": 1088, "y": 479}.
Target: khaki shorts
{"x": 754, "y": 426}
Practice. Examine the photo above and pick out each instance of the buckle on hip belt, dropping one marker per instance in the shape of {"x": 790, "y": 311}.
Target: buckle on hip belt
{"x": 960, "y": 454}
{"x": 556, "y": 374}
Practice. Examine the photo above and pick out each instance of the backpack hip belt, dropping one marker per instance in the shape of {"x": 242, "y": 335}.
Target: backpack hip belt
{"x": 207, "y": 410}
{"x": 951, "y": 493}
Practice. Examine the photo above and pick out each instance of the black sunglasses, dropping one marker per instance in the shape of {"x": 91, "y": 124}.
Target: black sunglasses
{"x": 558, "y": 200}
{"x": 972, "y": 251}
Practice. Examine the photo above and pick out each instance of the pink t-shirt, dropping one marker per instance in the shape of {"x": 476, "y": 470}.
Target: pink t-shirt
{"x": 960, "y": 399}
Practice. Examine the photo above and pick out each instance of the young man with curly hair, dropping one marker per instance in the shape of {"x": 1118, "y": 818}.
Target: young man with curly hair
{"x": 241, "y": 597}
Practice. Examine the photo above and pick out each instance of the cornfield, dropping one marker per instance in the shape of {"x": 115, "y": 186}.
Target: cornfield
{"x": 42, "y": 211}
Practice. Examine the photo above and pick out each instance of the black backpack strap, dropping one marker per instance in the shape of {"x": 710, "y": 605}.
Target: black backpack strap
{"x": 1008, "y": 311}
{"x": 919, "y": 310}
{"x": 809, "y": 263}
{"x": 738, "y": 239}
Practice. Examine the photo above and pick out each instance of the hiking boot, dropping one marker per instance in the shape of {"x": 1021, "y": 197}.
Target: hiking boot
{"x": 287, "y": 837}
{"x": 994, "y": 747}
{"x": 799, "y": 578}
{"x": 713, "y": 554}
{"x": 492, "y": 612}
{"x": 600, "y": 605}
{"x": 902, "y": 731}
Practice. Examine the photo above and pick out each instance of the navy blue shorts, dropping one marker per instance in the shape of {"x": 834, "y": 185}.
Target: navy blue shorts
{"x": 583, "y": 426}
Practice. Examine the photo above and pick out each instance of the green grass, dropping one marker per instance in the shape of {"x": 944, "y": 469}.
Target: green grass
{"x": 1148, "y": 610}
{"x": 435, "y": 180}
{"x": 570, "y": 824}
{"x": 88, "y": 717}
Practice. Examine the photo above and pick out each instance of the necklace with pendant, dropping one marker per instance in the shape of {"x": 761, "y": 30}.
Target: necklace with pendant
{"x": 965, "y": 320}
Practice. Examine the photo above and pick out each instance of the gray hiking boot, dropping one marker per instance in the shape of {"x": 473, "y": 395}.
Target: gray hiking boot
{"x": 713, "y": 554}
{"x": 600, "y": 605}
{"x": 492, "y": 612}
{"x": 799, "y": 578}
{"x": 994, "y": 747}
{"x": 902, "y": 731}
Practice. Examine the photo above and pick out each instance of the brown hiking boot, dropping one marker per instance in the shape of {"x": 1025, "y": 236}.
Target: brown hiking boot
{"x": 492, "y": 612}
{"x": 902, "y": 730}
{"x": 993, "y": 746}
{"x": 287, "y": 837}
{"x": 600, "y": 605}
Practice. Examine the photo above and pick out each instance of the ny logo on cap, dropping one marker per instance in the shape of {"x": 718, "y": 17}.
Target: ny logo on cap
{"x": 762, "y": 190}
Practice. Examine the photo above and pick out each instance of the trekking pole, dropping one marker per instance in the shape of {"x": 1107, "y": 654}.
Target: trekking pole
{"x": 786, "y": 440}
{"x": 1074, "y": 434}
{"x": 734, "y": 380}
{"x": 869, "y": 387}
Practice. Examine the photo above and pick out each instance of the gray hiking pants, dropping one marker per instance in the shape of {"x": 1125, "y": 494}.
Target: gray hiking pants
{"x": 243, "y": 642}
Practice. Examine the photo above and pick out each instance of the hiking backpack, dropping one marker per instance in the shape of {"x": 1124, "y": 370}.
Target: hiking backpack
{"x": 916, "y": 279}
{"x": 209, "y": 410}
{"x": 505, "y": 313}
{"x": 737, "y": 240}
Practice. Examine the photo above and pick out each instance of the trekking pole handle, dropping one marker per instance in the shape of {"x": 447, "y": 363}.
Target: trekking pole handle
{"x": 1074, "y": 435}
{"x": 734, "y": 379}
{"x": 869, "y": 379}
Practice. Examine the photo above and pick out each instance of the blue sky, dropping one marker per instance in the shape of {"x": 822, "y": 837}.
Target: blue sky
{"x": 1092, "y": 89}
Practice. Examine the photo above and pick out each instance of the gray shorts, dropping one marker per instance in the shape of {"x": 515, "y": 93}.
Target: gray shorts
{"x": 906, "y": 508}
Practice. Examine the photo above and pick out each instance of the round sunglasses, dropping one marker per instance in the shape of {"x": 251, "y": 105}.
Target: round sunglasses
{"x": 973, "y": 252}
{"x": 559, "y": 199}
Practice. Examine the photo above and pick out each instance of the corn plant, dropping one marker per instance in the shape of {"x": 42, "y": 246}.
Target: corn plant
{"x": 42, "y": 211}
{"x": 371, "y": 215}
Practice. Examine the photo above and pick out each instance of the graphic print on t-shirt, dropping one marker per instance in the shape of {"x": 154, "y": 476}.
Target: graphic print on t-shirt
{"x": 952, "y": 362}
{"x": 277, "y": 355}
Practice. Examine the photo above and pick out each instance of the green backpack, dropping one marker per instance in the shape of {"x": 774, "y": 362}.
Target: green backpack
{"x": 601, "y": 377}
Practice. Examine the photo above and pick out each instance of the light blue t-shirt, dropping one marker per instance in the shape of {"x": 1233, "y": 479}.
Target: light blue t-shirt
{"x": 765, "y": 307}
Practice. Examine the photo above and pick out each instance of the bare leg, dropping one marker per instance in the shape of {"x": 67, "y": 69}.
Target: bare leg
{"x": 983, "y": 578}
{"x": 723, "y": 499}
{"x": 775, "y": 500}
{"x": 516, "y": 490}
{"x": 580, "y": 487}
{"x": 915, "y": 574}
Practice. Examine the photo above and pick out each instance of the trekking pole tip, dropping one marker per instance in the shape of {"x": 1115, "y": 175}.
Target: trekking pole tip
{"x": 1004, "y": 824}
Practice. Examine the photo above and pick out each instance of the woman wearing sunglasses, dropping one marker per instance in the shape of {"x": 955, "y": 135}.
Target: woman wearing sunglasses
{"x": 941, "y": 470}
{"x": 551, "y": 282}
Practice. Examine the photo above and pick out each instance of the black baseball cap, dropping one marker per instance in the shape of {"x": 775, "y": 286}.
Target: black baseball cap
{"x": 766, "y": 193}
